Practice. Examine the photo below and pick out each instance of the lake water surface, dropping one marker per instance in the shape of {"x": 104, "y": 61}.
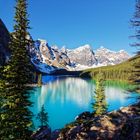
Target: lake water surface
{"x": 66, "y": 97}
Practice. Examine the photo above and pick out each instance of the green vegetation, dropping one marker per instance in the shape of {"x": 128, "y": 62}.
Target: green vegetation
{"x": 135, "y": 74}
{"x": 15, "y": 116}
{"x": 135, "y": 21}
{"x": 100, "y": 104}
{"x": 42, "y": 116}
{"x": 120, "y": 84}
{"x": 121, "y": 72}
{"x": 39, "y": 80}
{"x": 135, "y": 77}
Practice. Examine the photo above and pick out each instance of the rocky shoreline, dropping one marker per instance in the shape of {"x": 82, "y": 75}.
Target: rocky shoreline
{"x": 123, "y": 124}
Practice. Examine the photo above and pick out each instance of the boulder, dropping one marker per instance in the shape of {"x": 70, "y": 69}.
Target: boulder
{"x": 44, "y": 133}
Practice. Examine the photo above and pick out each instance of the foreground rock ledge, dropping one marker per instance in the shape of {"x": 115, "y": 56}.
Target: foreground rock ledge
{"x": 123, "y": 124}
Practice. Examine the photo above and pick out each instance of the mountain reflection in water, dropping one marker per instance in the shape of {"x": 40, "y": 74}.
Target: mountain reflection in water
{"x": 66, "y": 97}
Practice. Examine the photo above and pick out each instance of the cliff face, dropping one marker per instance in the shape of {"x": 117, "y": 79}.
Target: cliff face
{"x": 48, "y": 59}
{"x": 83, "y": 55}
{"x": 108, "y": 57}
{"x": 4, "y": 39}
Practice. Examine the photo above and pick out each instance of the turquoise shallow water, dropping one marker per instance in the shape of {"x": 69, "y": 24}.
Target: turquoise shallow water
{"x": 66, "y": 97}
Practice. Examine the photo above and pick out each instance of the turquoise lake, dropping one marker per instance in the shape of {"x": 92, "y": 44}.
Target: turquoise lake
{"x": 66, "y": 97}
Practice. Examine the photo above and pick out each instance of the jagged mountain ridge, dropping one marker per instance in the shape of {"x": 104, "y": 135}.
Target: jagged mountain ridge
{"x": 108, "y": 57}
{"x": 82, "y": 53}
{"x": 48, "y": 59}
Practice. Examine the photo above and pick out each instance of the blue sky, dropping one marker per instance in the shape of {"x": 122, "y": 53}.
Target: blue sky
{"x": 77, "y": 22}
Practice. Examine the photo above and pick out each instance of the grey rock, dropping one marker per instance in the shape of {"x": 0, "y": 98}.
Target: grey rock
{"x": 83, "y": 55}
{"x": 42, "y": 134}
{"x": 103, "y": 127}
{"x": 55, "y": 134}
{"x": 49, "y": 56}
{"x": 84, "y": 116}
{"x": 108, "y": 57}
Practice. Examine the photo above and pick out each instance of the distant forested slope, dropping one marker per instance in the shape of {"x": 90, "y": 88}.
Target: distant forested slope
{"x": 121, "y": 71}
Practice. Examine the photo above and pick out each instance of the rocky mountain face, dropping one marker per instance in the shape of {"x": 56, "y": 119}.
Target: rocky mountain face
{"x": 48, "y": 59}
{"x": 4, "y": 39}
{"x": 83, "y": 55}
{"x": 108, "y": 57}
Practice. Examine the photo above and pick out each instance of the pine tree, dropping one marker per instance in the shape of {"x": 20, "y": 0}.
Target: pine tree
{"x": 135, "y": 72}
{"x": 15, "y": 116}
{"x": 135, "y": 77}
{"x": 135, "y": 21}
{"x": 39, "y": 80}
{"x": 42, "y": 116}
{"x": 100, "y": 104}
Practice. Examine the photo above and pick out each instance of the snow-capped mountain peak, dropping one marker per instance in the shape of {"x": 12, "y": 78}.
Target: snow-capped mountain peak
{"x": 82, "y": 48}
{"x": 105, "y": 50}
{"x": 42, "y": 41}
{"x": 48, "y": 59}
{"x": 109, "y": 57}
{"x": 63, "y": 49}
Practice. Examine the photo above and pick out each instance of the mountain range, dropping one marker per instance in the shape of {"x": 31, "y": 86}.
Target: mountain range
{"x": 48, "y": 59}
